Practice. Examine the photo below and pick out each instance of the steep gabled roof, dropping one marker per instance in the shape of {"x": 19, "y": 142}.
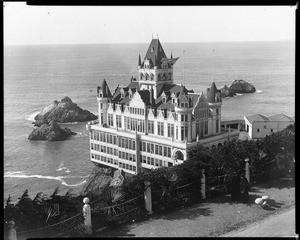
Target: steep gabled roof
{"x": 155, "y": 52}
{"x": 211, "y": 93}
{"x": 145, "y": 96}
{"x": 105, "y": 90}
{"x": 280, "y": 117}
{"x": 257, "y": 117}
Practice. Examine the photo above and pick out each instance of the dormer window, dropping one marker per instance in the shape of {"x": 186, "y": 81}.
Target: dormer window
{"x": 122, "y": 95}
{"x": 100, "y": 94}
{"x": 173, "y": 100}
{"x": 163, "y": 99}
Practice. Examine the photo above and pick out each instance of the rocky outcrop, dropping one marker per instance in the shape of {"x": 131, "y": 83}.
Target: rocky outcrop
{"x": 50, "y": 132}
{"x": 226, "y": 92}
{"x": 62, "y": 112}
{"x": 97, "y": 182}
{"x": 237, "y": 86}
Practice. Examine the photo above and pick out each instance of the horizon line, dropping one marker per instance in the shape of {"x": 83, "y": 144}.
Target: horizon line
{"x": 233, "y": 41}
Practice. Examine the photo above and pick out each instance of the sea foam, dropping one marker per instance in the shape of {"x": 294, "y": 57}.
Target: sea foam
{"x": 20, "y": 174}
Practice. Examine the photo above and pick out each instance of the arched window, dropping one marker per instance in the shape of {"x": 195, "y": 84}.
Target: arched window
{"x": 165, "y": 76}
{"x": 178, "y": 155}
{"x": 219, "y": 145}
{"x": 147, "y": 76}
{"x": 152, "y": 76}
{"x": 159, "y": 77}
{"x": 170, "y": 76}
{"x": 141, "y": 76}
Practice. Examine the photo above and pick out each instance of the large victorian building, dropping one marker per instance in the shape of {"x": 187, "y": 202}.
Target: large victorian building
{"x": 153, "y": 122}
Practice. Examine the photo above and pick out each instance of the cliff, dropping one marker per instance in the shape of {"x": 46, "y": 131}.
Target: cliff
{"x": 63, "y": 111}
{"x": 50, "y": 132}
{"x": 237, "y": 86}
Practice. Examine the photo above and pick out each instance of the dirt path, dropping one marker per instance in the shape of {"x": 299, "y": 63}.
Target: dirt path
{"x": 279, "y": 225}
{"x": 213, "y": 217}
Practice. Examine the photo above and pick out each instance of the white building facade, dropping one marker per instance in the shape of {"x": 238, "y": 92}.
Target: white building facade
{"x": 153, "y": 122}
{"x": 259, "y": 126}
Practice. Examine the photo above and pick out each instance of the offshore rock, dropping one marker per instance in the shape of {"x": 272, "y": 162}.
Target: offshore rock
{"x": 62, "y": 112}
{"x": 241, "y": 86}
{"x": 226, "y": 92}
{"x": 237, "y": 86}
{"x": 50, "y": 132}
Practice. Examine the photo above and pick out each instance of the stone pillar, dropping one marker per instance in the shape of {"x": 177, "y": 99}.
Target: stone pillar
{"x": 203, "y": 185}
{"x": 247, "y": 169}
{"x": 12, "y": 233}
{"x": 148, "y": 199}
{"x": 87, "y": 216}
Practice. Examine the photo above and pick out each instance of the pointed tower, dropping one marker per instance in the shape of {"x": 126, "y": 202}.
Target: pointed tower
{"x": 140, "y": 62}
{"x": 103, "y": 97}
{"x": 214, "y": 102}
{"x": 156, "y": 68}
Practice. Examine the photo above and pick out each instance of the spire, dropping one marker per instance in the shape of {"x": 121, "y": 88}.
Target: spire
{"x": 211, "y": 93}
{"x": 140, "y": 62}
{"x": 171, "y": 55}
{"x": 105, "y": 90}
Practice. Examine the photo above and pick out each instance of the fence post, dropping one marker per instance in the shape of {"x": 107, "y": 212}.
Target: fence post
{"x": 12, "y": 233}
{"x": 247, "y": 169}
{"x": 147, "y": 196}
{"x": 87, "y": 216}
{"x": 203, "y": 190}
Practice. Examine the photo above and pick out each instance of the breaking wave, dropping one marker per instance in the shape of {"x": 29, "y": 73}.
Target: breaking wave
{"x": 20, "y": 174}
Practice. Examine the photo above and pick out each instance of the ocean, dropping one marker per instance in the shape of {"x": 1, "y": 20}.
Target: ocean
{"x": 35, "y": 76}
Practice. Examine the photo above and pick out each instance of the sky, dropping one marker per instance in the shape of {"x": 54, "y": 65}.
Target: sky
{"x": 136, "y": 24}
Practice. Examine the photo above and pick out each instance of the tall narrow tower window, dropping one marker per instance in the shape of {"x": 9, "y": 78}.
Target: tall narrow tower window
{"x": 152, "y": 49}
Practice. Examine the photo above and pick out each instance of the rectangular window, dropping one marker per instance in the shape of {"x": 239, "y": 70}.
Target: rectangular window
{"x": 258, "y": 130}
{"x": 148, "y": 147}
{"x": 182, "y": 117}
{"x": 144, "y": 147}
{"x": 92, "y": 135}
{"x": 160, "y": 163}
{"x": 160, "y": 150}
{"x": 150, "y": 126}
{"x": 165, "y": 151}
{"x": 92, "y": 146}
{"x": 271, "y": 130}
{"x": 217, "y": 126}
{"x": 169, "y": 152}
{"x": 182, "y": 133}
{"x": 152, "y": 161}
{"x": 160, "y": 128}
{"x": 206, "y": 127}
{"x": 144, "y": 159}
{"x": 156, "y": 162}
{"x": 152, "y": 148}
{"x": 186, "y": 118}
{"x": 156, "y": 149}
{"x": 148, "y": 160}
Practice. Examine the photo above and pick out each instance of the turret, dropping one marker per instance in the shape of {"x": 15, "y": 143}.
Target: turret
{"x": 103, "y": 97}
{"x": 215, "y": 102}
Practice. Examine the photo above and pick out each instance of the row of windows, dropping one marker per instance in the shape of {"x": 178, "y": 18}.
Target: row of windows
{"x": 105, "y": 159}
{"x": 138, "y": 111}
{"x": 133, "y": 124}
{"x": 127, "y": 156}
{"x": 156, "y": 149}
{"x": 104, "y": 137}
{"x": 104, "y": 149}
{"x": 160, "y": 76}
{"x": 127, "y": 143}
{"x": 114, "y": 161}
{"x": 203, "y": 113}
{"x": 202, "y": 128}
{"x": 156, "y": 162}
